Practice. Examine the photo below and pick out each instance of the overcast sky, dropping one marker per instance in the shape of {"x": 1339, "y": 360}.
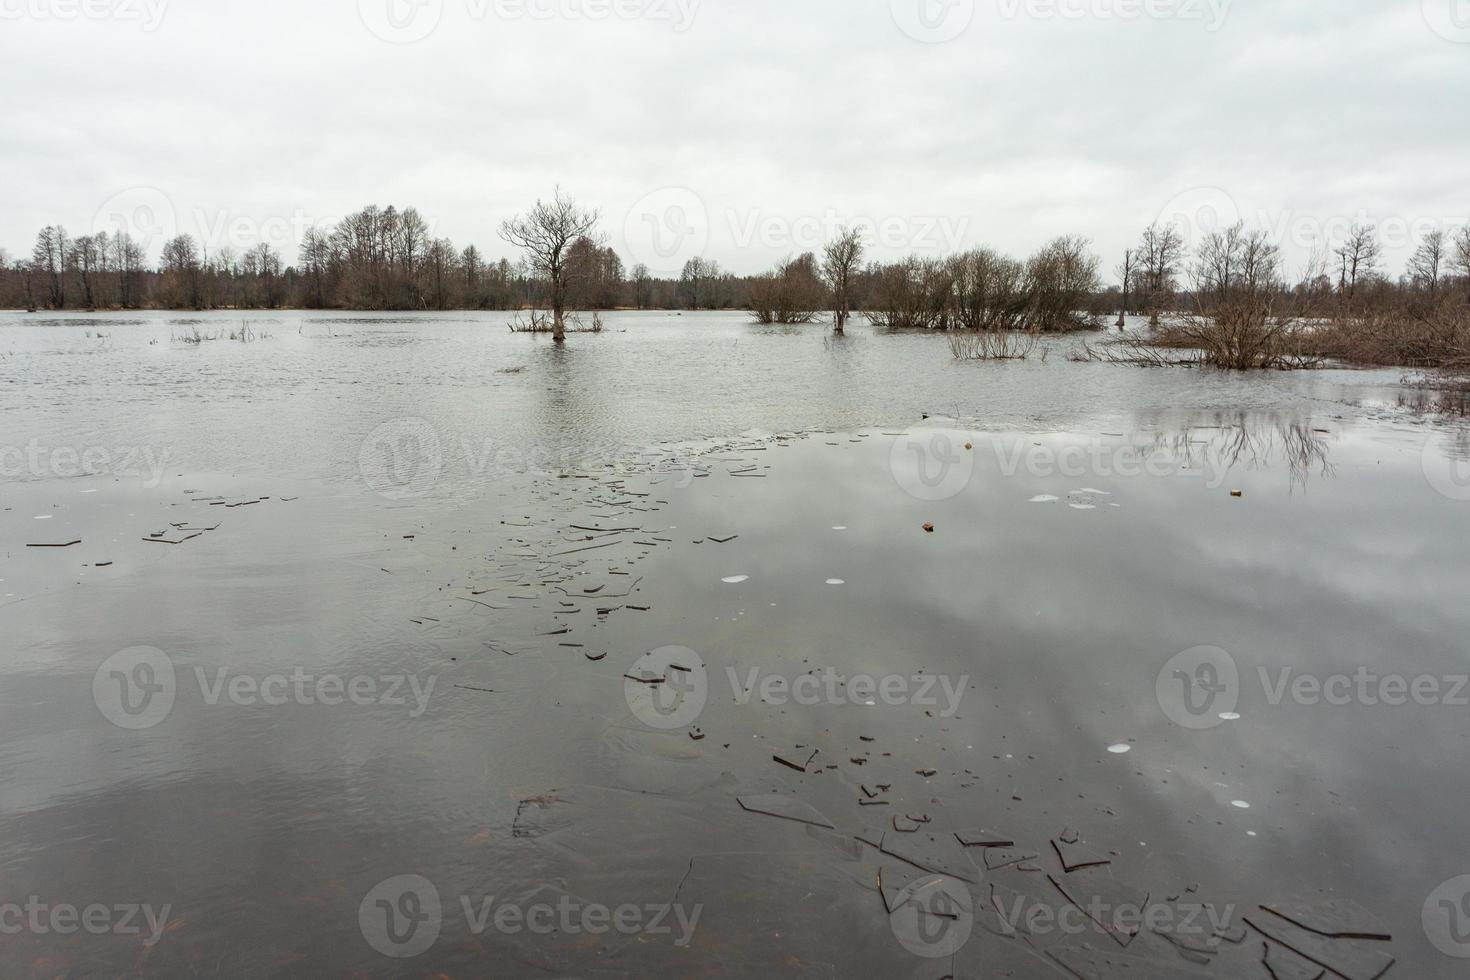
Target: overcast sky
{"x": 742, "y": 129}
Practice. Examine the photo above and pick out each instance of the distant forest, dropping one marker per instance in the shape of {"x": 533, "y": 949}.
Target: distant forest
{"x": 386, "y": 259}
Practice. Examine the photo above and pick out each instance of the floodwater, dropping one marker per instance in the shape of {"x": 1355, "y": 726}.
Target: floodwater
{"x": 405, "y": 646}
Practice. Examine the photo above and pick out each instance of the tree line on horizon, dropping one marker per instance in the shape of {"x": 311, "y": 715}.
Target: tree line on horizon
{"x": 387, "y": 259}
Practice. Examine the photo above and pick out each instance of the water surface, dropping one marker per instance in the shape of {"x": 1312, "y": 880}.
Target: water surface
{"x": 433, "y": 502}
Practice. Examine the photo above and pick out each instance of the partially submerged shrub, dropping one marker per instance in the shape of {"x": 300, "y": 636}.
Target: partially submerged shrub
{"x": 992, "y": 345}
{"x": 791, "y": 294}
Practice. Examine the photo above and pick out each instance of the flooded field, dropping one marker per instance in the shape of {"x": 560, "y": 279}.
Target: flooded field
{"x": 405, "y": 646}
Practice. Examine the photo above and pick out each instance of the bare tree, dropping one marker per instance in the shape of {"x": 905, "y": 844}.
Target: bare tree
{"x": 49, "y": 259}
{"x": 127, "y": 259}
{"x": 1461, "y": 258}
{"x": 1159, "y": 253}
{"x": 1359, "y": 256}
{"x": 1427, "y": 265}
{"x": 1125, "y": 275}
{"x": 264, "y": 264}
{"x": 183, "y": 275}
{"x": 840, "y": 263}
{"x": 697, "y": 272}
{"x": 1234, "y": 257}
{"x": 83, "y": 259}
{"x": 545, "y": 233}
{"x": 316, "y": 254}
{"x": 440, "y": 270}
{"x": 640, "y": 279}
{"x": 472, "y": 273}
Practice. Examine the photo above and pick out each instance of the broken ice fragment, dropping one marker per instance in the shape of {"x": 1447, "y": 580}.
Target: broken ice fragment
{"x": 798, "y": 758}
{"x": 1283, "y": 964}
{"x": 930, "y": 852}
{"x": 1095, "y": 889}
{"x": 1004, "y": 857}
{"x": 1338, "y": 919}
{"x": 785, "y": 807}
{"x": 983, "y": 838}
{"x": 1353, "y": 959}
{"x": 645, "y": 676}
{"x": 1075, "y": 855}
{"x": 1105, "y": 965}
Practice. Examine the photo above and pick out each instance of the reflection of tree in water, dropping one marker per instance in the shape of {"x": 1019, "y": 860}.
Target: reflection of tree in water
{"x": 1453, "y": 399}
{"x": 1255, "y": 441}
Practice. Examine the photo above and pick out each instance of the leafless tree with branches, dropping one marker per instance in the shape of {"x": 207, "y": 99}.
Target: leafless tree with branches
{"x": 1359, "y": 256}
{"x": 840, "y": 262}
{"x": 545, "y": 234}
{"x": 1427, "y": 265}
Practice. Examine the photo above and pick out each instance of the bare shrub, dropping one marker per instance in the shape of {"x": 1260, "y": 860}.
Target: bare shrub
{"x": 1244, "y": 317}
{"x": 537, "y": 321}
{"x": 990, "y": 291}
{"x": 992, "y": 345}
{"x": 792, "y": 294}
{"x": 912, "y": 294}
{"x": 1137, "y": 351}
{"x": 1432, "y": 337}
